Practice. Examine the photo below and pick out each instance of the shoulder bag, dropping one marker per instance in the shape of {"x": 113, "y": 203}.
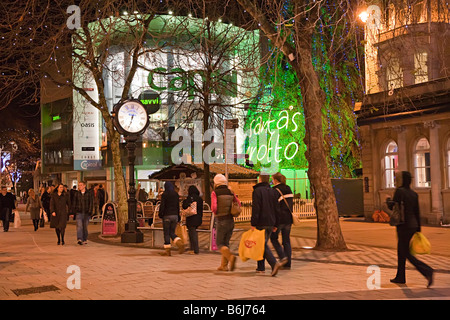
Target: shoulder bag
{"x": 295, "y": 219}
{"x": 397, "y": 217}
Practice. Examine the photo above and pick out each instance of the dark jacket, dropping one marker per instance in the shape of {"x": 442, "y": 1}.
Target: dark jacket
{"x": 410, "y": 200}
{"x": 265, "y": 208}
{"x": 285, "y": 216}
{"x": 170, "y": 202}
{"x": 60, "y": 204}
{"x": 7, "y": 204}
{"x": 194, "y": 195}
{"x": 45, "y": 200}
{"x": 83, "y": 203}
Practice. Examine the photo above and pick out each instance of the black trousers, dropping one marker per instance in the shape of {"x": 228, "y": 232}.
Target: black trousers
{"x": 404, "y": 237}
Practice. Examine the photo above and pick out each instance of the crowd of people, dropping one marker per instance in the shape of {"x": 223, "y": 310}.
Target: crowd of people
{"x": 272, "y": 208}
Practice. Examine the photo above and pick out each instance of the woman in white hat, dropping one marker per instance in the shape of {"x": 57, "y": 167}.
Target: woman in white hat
{"x": 221, "y": 201}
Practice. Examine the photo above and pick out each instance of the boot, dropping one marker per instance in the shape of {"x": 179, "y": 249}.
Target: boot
{"x": 229, "y": 257}
{"x": 223, "y": 265}
{"x": 179, "y": 243}
{"x": 166, "y": 252}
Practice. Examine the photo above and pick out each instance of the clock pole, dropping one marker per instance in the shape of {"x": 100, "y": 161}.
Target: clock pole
{"x": 132, "y": 234}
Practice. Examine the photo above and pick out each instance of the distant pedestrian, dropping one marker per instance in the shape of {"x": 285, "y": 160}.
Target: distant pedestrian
{"x": 7, "y": 205}
{"x": 221, "y": 202}
{"x": 82, "y": 206}
{"x": 60, "y": 209}
{"x": 45, "y": 201}
{"x": 265, "y": 215}
{"x": 194, "y": 221}
{"x": 286, "y": 203}
{"x": 169, "y": 212}
{"x": 34, "y": 204}
{"x": 407, "y": 198}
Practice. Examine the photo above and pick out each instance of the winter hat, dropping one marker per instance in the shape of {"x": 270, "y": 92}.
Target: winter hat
{"x": 220, "y": 179}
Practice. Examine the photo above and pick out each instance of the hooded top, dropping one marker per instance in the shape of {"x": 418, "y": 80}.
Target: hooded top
{"x": 220, "y": 179}
{"x": 405, "y": 196}
{"x": 170, "y": 205}
{"x": 194, "y": 195}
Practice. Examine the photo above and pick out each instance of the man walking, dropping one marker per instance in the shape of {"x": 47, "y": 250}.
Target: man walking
{"x": 83, "y": 207}
{"x": 265, "y": 211}
{"x": 7, "y": 205}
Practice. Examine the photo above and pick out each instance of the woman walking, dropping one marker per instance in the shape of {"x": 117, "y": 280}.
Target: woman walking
{"x": 34, "y": 204}
{"x": 169, "y": 212}
{"x": 407, "y": 198}
{"x": 285, "y": 202}
{"x": 193, "y": 221}
{"x": 45, "y": 201}
{"x": 59, "y": 207}
{"x": 221, "y": 201}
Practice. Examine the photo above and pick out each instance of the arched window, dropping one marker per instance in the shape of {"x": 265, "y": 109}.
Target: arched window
{"x": 422, "y": 163}
{"x": 390, "y": 164}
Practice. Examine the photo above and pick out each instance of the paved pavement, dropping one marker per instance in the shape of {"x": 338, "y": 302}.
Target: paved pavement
{"x": 34, "y": 267}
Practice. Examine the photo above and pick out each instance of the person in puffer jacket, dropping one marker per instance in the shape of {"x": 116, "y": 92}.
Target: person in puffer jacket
{"x": 221, "y": 201}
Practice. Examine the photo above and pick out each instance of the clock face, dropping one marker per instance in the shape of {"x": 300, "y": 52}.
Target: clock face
{"x": 132, "y": 117}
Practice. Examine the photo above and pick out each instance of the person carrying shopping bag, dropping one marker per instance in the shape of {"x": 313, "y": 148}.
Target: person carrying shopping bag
{"x": 265, "y": 215}
{"x": 34, "y": 204}
{"x": 407, "y": 201}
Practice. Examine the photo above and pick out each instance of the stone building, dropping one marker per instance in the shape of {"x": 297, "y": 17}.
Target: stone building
{"x": 404, "y": 118}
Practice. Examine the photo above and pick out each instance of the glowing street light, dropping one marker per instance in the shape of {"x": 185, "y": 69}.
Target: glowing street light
{"x": 363, "y": 16}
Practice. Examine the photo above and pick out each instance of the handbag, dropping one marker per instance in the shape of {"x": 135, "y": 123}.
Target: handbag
{"x": 397, "y": 216}
{"x": 235, "y": 208}
{"x": 191, "y": 210}
{"x": 295, "y": 220}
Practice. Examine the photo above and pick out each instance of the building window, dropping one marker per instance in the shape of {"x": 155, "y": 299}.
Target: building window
{"x": 394, "y": 74}
{"x": 422, "y": 163}
{"x": 420, "y": 67}
{"x": 390, "y": 164}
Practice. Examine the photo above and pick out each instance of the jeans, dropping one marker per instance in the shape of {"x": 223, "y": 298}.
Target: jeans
{"x": 169, "y": 226}
{"x": 6, "y": 216}
{"x": 193, "y": 239}
{"x": 224, "y": 231}
{"x": 268, "y": 255}
{"x": 283, "y": 250}
{"x": 82, "y": 226}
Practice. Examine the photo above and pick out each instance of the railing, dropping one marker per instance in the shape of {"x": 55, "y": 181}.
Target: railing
{"x": 303, "y": 208}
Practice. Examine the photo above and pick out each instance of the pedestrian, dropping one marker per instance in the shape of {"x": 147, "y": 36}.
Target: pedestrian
{"x": 265, "y": 215}
{"x": 221, "y": 202}
{"x": 96, "y": 197}
{"x": 286, "y": 204}
{"x": 60, "y": 209}
{"x": 169, "y": 212}
{"x": 102, "y": 197}
{"x": 7, "y": 205}
{"x": 409, "y": 199}
{"x": 45, "y": 201}
{"x": 82, "y": 206}
{"x": 193, "y": 221}
{"x": 35, "y": 205}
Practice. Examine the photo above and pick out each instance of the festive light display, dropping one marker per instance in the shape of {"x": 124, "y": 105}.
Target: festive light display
{"x": 280, "y": 103}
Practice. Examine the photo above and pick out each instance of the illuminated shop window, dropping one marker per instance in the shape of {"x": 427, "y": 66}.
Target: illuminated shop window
{"x": 422, "y": 163}
{"x": 390, "y": 164}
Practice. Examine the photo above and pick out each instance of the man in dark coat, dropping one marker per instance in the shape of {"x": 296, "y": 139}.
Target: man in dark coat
{"x": 265, "y": 213}
{"x": 7, "y": 205}
{"x": 83, "y": 206}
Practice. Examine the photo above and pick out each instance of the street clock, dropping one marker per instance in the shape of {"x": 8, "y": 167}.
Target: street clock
{"x": 130, "y": 117}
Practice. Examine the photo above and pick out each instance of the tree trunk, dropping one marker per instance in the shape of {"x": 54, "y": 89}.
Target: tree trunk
{"x": 119, "y": 179}
{"x": 329, "y": 234}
